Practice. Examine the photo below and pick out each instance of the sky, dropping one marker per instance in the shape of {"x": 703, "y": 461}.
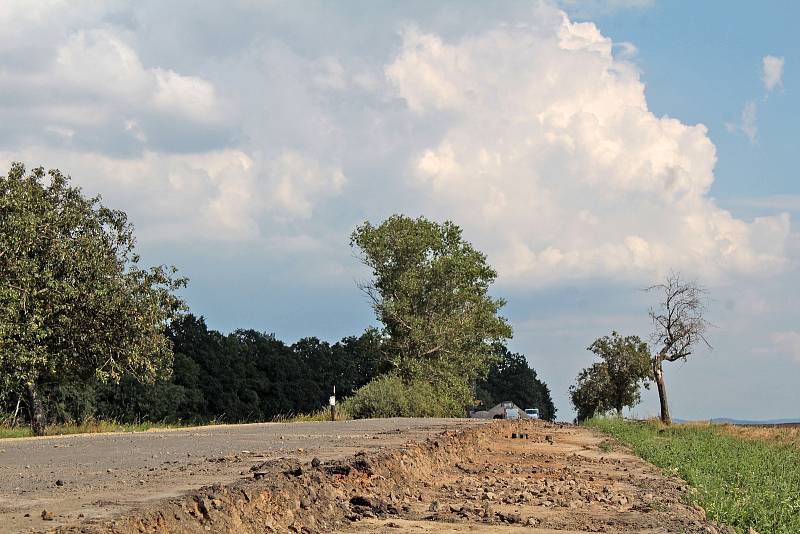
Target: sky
{"x": 588, "y": 148}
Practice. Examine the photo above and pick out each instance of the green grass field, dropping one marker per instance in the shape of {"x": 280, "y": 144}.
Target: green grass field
{"x": 740, "y": 481}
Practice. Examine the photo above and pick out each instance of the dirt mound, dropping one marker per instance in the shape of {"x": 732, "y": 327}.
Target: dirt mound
{"x": 549, "y": 477}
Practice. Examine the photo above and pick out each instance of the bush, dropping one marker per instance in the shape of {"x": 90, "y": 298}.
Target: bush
{"x": 388, "y": 396}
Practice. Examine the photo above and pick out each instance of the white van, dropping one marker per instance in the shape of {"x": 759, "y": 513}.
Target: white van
{"x": 533, "y": 413}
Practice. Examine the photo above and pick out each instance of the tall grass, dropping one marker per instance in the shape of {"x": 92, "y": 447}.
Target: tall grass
{"x": 90, "y": 426}
{"x": 741, "y": 481}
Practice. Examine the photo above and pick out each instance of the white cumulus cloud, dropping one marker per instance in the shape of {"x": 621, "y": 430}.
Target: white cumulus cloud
{"x": 552, "y": 158}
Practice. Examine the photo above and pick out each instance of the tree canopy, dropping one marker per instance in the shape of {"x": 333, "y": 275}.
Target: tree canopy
{"x": 430, "y": 291}
{"x": 615, "y": 382}
{"x": 74, "y": 301}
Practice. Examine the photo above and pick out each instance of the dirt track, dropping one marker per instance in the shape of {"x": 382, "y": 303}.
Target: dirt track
{"x": 471, "y": 478}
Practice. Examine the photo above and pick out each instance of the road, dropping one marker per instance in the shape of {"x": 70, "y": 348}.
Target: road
{"x": 96, "y": 476}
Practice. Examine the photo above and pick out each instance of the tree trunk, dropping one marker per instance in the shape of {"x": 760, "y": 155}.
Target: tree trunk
{"x": 658, "y": 373}
{"x": 36, "y": 410}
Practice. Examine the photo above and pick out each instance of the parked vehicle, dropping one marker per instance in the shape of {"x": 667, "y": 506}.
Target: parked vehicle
{"x": 533, "y": 413}
{"x": 508, "y": 410}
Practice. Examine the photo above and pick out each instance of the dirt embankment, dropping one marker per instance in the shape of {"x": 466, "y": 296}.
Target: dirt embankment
{"x": 481, "y": 479}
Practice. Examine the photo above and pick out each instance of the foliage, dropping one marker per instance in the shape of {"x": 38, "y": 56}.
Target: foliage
{"x": 430, "y": 291}
{"x": 614, "y": 382}
{"x": 627, "y": 363}
{"x": 744, "y": 483}
{"x": 240, "y": 377}
{"x": 589, "y": 394}
{"x": 74, "y": 301}
{"x": 511, "y": 378}
{"x": 390, "y": 396}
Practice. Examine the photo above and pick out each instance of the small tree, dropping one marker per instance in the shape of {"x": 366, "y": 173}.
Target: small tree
{"x": 430, "y": 291}
{"x": 589, "y": 395}
{"x": 615, "y": 382}
{"x": 627, "y": 364}
{"x": 73, "y": 300}
{"x": 679, "y": 326}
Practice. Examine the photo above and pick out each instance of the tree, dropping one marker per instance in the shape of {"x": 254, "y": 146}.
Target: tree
{"x": 589, "y": 394}
{"x": 74, "y": 302}
{"x": 679, "y": 326}
{"x": 511, "y": 378}
{"x": 430, "y": 291}
{"x": 628, "y": 366}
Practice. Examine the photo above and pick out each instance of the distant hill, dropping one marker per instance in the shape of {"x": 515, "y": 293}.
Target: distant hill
{"x": 729, "y": 421}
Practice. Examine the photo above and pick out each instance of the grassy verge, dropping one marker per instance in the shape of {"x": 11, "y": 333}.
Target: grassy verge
{"x": 87, "y": 427}
{"x": 738, "y": 479}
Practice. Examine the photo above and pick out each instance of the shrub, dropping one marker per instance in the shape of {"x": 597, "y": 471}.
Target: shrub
{"x": 388, "y": 396}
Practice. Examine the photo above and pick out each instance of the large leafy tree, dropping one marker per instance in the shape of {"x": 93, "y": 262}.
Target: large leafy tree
{"x": 430, "y": 291}
{"x": 74, "y": 302}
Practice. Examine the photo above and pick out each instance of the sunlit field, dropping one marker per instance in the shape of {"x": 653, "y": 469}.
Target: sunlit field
{"x": 742, "y": 476}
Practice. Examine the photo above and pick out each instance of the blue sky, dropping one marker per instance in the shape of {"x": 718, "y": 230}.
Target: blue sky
{"x": 587, "y": 147}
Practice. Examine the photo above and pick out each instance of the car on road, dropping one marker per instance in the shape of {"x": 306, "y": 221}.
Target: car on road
{"x": 533, "y": 413}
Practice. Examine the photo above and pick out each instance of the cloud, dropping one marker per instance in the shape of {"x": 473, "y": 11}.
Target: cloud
{"x": 772, "y": 72}
{"x": 223, "y": 195}
{"x": 788, "y": 343}
{"x": 535, "y": 136}
{"x": 747, "y": 123}
{"x": 551, "y": 157}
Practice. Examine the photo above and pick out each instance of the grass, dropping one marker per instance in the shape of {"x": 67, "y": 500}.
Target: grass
{"x": 92, "y": 426}
{"x": 86, "y": 427}
{"x": 741, "y": 477}
{"x": 323, "y": 414}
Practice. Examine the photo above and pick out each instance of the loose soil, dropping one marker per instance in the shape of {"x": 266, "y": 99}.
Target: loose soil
{"x": 473, "y": 478}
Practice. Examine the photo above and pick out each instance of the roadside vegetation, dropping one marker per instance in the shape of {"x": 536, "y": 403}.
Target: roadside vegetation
{"x": 743, "y": 477}
{"x": 92, "y": 341}
{"x": 85, "y": 427}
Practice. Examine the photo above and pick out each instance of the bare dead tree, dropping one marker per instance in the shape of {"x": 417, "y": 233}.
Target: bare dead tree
{"x": 679, "y": 325}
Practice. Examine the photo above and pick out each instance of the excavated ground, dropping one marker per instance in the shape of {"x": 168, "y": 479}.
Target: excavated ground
{"x": 549, "y": 478}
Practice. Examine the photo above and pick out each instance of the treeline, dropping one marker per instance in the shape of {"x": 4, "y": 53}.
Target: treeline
{"x": 86, "y": 331}
{"x": 249, "y": 376}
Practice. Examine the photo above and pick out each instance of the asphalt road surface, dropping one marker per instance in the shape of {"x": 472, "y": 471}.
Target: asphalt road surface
{"x": 103, "y": 475}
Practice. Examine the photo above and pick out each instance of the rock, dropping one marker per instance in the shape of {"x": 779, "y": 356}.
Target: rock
{"x": 316, "y": 462}
{"x": 434, "y": 507}
{"x": 47, "y": 516}
{"x": 59, "y": 482}
{"x": 360, "y": 500}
